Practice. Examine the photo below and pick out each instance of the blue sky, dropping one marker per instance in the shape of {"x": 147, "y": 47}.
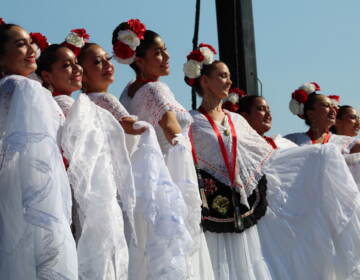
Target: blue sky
{"x": 296, "y": 41}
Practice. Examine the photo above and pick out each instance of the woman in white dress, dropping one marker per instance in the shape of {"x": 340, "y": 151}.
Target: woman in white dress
{"x": 35, "y": 202}
{"x": 99, "y": 169}
{"x": 319, "y": 114}
{"x": 152, "y": 101}
{"x": 256, "y": 111}
{"x": 160, "y": 207}
{"x": 347, "y": 121}
{"x": 311, "y": 223}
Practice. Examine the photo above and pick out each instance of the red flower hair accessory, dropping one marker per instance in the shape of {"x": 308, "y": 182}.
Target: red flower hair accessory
{"x": 203, "y": 55}
{"x": 76, "y": 39}
{"x": 231, "y": 103}
{"x": 300, "y": 96}
{"x": 335, "y": 100}
{"x": 128, "y": 40}
{"x": 41, "y": 42}
{"x": 2, "y": 21}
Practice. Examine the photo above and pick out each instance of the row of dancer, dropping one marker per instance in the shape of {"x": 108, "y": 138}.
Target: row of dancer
{"x": 264, "y": 213}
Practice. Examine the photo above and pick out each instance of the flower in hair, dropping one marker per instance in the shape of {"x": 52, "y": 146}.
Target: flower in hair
{"x": 128, "y": 40}
{"x": 335, "y": 100}
{"x": 204, "y": 55}
{"x": 76, "y": 39}
{"x": 231, "y": 102}
{"x": 41, "y": 42}
{"x": 2, "y": 21}
{"x": 300, "y": 96}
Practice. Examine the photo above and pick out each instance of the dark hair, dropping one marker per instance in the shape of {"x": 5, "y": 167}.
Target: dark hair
{"x": 48, "y": 58}
{"x": 339, "y": 114}
{"x": 206, "y": 70}
{"x": 309, "y": 105}
{"x": 81, "y": 56}
{"x": 145, "y": 44}
{"x": 4, "y": 35}
{"x": 246, "y": 102}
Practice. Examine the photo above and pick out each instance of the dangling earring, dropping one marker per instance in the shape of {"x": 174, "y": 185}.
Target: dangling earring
{"x": 50, "y": 88}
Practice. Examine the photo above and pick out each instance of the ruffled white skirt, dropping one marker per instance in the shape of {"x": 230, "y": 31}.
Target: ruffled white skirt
{"x": 311, "y": 230}
{"x": 237, "y": 255}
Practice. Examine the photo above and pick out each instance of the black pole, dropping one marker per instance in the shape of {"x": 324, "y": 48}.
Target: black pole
{"x": 237, "y": 42}
{"x": 195, "y": 44}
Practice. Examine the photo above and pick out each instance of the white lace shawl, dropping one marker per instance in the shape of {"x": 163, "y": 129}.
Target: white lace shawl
{"x": 150, "y": 103}
{"x": 283, "y": 143}
{"x": 99, "y": 170}
{"x": 252, "y": 151}
{"x": 109, "y": 102}
{"x": 35, "y": 200}
{"x": 65, "y": 102}
{"x": 167, "y": 242}
{"x": 344, "y": 143}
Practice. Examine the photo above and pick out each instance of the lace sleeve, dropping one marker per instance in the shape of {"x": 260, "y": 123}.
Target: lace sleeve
{"x": 156, "y": 99}
{"x": 111, "y": 104}
{"x": 65, "y": 102}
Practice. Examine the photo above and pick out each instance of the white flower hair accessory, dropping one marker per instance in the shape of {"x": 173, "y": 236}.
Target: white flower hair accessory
{"x": 335, "y": 100}
{"x": 40, "y": 41}
{"x": 128, "y": 40}
{"x": 76, "y": 39}
{"x": 203, "y": 55}
{"x": 300, "y": 96}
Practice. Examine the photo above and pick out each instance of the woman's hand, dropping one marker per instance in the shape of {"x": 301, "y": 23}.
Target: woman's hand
{"x": 127, "y": 124}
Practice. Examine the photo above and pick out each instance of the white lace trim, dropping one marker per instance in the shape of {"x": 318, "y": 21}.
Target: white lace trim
{"x": 109, "y": 102}
{"x": 65, "y": 102}
{"x": 252, "y": 151}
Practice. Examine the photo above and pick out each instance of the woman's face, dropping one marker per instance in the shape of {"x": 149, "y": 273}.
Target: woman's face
{"x": 217, "y": 84}
{"x": 156, "y": 61}
{"x": 259, "y": 118}
{"x": 66, "y": 74}
{"x": 19, "y": 53}
{"x": 348, "y": 124}
{"x": 323, "y": 113}
{"x": 98, "y": 69}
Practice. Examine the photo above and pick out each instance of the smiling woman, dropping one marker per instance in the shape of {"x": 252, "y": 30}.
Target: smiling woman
{"x": 35, "y": 199}
{"x": 17, "y": 52}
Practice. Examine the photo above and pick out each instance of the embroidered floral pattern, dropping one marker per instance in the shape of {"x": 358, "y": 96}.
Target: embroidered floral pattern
{"x": 221, "y": 204}
{"x": 210, "y": 186}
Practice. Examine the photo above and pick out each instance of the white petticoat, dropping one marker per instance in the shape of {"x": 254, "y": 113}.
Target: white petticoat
{"x": 311, "y": 230}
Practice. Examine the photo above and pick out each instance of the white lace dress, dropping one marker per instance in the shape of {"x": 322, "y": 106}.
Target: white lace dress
{"x": 35, "y": 201}
{"x": 150, "y": 102}
{"x": 65, "y": 102}
{"x": 233, "y": 255}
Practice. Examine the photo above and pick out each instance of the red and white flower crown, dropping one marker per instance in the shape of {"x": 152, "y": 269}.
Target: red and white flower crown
{"x": 128, "y": 40}
{"x": 335, "y": 100}
{"x": 300, "y": 96}
{"x": 2, "y": 21}
{"x": 203, "y": 55}
{"x": 41, "y": 42}
{"x": 76, "y": 39}
{"x": 231, "y": 102}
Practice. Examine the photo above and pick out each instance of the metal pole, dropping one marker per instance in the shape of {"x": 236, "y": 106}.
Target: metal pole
{"x": 195, "y": 44}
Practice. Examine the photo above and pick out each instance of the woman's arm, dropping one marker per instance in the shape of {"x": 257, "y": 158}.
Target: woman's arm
{"x": 170, "y": 125}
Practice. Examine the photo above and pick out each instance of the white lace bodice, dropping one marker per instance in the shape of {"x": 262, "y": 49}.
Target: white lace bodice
{"x": 150, "y": 103}
{"x": 344, "y": 143}
{"x": 110, "y": 103}
{"x": 65, "y": 102}
{"x": 252, "y": 150}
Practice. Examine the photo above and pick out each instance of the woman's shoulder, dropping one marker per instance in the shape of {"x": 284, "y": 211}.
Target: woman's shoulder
{"x": 16, "y": 80}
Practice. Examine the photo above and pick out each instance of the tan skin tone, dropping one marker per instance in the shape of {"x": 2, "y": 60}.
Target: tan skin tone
{"x": 259, "y": 118}
{"x": 215, "y": 87}
{"x": 154, "y": 65}
{"x": 19, "y": 55}
{"x": 65, "y": 76}
{"x": 321, "y": 118}
{"x": 99, "y": 75}
{"x": 348, "y": 124}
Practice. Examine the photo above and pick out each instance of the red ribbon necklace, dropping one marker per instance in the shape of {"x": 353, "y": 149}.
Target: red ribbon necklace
{"x": 230, "y": 166}
{"x": 271, "y": 142}
{"x": 313, "y": 140}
